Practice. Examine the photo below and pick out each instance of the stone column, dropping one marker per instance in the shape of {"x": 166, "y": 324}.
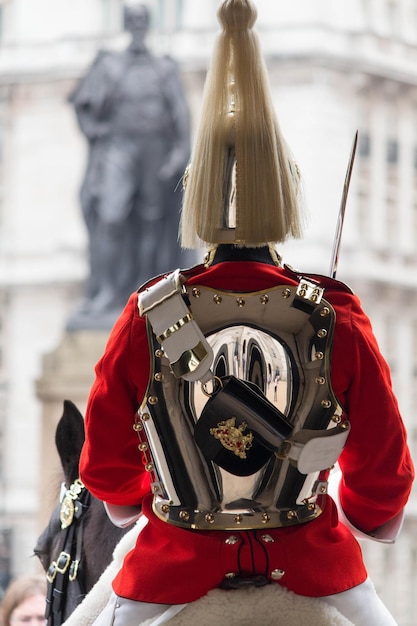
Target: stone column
{"x": 68, "y": 373}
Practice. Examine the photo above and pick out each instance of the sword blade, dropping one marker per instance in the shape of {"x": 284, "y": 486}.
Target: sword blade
{"x": 341, "y": 217}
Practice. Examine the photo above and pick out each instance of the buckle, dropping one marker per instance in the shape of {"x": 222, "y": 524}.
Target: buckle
{"x": 73, "y": 571}
{"x": 63, "y": 562}
{"x": 51, "y": 573}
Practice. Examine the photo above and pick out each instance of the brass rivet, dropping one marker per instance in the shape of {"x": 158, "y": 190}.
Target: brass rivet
{"x": 239, "y": 519}
{"x": 286, "y": 293}
{"x": 326, "y": 404}
{"x": 291, "y": 514}
{"x": 322, "y": 333}
{"x": 323, "y": 489}
{"x": 325, "y": 311}
{"x": 265, "y": 518}
{"x": 165, "y": 508}
{"x": 344, "y": 426}
{"x": 232, "y": 540}
{"x": 336, "y": 419}
{"x": 217, "y": 299}
{"x": 155, "y": 488}
{"x": 184, "y": 515}
{"x": 145, "y": 417}
{"x": 159, "y": 353}
{"x": 196, "y": 292}
{"x": 210, "y": 518}
{"x": 153, "y": 400}
{"x": 319, "y": 356}
{"x": 320, "y": 380}
{"x": 311, "y": 507}
{"x": 277, "y": 574}
{"x": 264, "y": 299}
{"x": 240, "y": 302}
{"x": 159, "y": 377}
{"x": 149, "y": 467}
{"x": 137, "y": 427}
{"x": 143, "y": 446}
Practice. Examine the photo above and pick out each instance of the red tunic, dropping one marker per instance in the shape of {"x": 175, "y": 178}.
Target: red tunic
{"x": 321, "y": 557}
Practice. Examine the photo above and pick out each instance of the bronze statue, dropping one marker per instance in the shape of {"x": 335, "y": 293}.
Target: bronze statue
{"x": 132, "y": 109}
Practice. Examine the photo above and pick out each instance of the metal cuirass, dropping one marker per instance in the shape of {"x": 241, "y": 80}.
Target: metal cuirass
{"x": 281, "y": 340}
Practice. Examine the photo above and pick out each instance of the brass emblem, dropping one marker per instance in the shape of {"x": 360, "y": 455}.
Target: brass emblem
{"x": 66, "y": 512}
{"x": 232, "y": 438}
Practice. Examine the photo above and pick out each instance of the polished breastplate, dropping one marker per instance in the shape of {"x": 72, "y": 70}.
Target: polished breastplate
{"x": 280, "y": 339}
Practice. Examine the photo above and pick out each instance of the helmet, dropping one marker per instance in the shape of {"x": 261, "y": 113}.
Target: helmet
{"x": 242, "y": 184}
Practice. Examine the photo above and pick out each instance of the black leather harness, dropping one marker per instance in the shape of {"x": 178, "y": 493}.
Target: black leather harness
{"x": 65, "y": 587}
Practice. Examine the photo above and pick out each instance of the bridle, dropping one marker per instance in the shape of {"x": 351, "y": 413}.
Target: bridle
{"x": 63, "y": 574}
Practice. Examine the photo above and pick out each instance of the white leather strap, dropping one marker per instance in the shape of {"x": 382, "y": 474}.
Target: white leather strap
{"x": 315, "y": 450}
{"x": 184, "y": 344}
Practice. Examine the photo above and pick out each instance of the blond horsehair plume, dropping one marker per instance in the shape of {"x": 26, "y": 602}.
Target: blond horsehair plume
{"x": 242, "y": 182}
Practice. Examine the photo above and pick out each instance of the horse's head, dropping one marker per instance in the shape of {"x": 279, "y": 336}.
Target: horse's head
{"x": 68, "y": 548}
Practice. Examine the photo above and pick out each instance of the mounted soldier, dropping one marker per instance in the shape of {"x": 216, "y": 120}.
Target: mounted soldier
{"x": 188, "y": 423}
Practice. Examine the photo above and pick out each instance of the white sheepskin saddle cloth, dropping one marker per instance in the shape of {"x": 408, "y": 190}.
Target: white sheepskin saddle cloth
{"x": 271, "y": 605}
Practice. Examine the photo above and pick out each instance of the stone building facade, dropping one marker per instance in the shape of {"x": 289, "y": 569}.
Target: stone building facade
{"x": 335, "y": 68}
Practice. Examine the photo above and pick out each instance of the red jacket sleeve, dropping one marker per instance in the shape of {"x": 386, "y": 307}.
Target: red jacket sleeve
{"x": 377, "y": 469}
{"x": 111, "y": 465}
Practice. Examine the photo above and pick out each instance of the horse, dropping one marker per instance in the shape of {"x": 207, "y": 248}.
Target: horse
{"x": 68, "y": 549}
{"x": 77, "y": 601}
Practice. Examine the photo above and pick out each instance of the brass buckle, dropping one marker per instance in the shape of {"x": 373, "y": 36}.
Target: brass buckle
{"x": 51, "y": 573}
{"x": 63, "y": 562}
{"x": 73, "y": 570}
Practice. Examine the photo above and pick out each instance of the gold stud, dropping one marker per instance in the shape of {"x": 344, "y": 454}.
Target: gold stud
{"x": 149, "y": 467}
{"x": 165, "y": 508}
{"x": 184, "y": 515}
{"x": 210, "y": 518}
{"x": 159, "y": 353}
{"x": 264, "y": 299}
{"x": 344, "y": 426}
{"x": 311, "y": 507}
{"x": 159, "y": 377}
{"x": 196, "y": 292}
{"x": 322, "y": 333}
{"x": 315, "y": 295}
{"x": 238, "y": 519}
{"x": 291, "y": 514}
{"x": 153, "y": 400}
{"x": 240, "y": 302}
{"x": 336, "y": 419}
{"x": 143, "y": 446}
{"x": 319, "y": 356}
{"x": 326, "y": 404}
{"x": 320, "y": 380}
{"x": 265, "y": 518}
{"x": 286, "y": 293}
{"x": 137, "y": 427}
{"x": 145, "y": 417}
{"x": 267, "y": 539}
{"x": 325, "y": 311}
{"x": 217, "y": 299}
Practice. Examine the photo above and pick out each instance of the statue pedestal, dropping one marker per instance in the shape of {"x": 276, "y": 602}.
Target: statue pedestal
{"x": 68, "y": 373}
